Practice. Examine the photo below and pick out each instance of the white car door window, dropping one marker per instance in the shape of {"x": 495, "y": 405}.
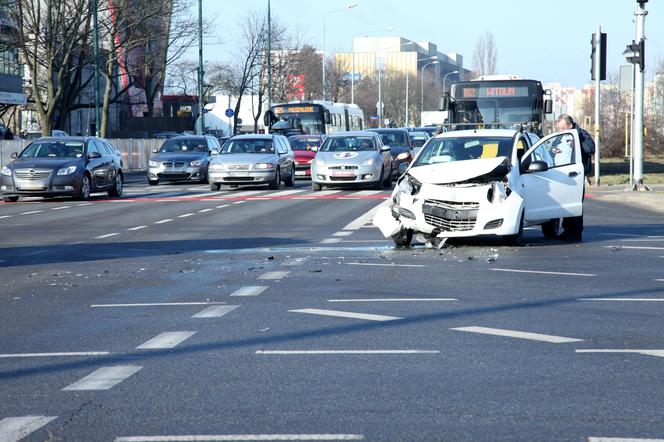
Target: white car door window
{"x": 558, "y": 191}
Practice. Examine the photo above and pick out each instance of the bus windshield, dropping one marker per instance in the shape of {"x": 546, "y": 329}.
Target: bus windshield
{"x": 505, "y": 112}
{"x": 306, "y": 123}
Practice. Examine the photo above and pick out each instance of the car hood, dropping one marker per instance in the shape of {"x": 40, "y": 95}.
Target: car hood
{"x": 479, "y": 170}
{"x": 396, "y": 150}
{"x": 332, "y": 158}
{"x": 178, "y": 156}
{"x": 43, "y": 163}
{"x": 303, "y": 155}
{"x": 245, "y": 158}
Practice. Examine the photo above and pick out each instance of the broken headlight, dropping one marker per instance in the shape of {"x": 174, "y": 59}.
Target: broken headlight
{"x": 498, "y": 192}
{"x": 410, "y": 185}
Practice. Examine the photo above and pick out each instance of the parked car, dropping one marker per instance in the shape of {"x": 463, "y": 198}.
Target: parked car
{"x": 400, "y": 147}
{"x": 352, "y": 158}
{"x": 63, "y": 166}
{"x": 182, "y": 158}
{"x": 486, "y": 182}
{"x": 304, "y": 148}
{"x": 253, "y": 159}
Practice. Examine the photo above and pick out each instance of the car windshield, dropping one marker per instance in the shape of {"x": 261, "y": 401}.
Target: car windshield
{"x": 304, "y": 143}
{"x": 394, "y": 139}
{"x": 348, "y": 144}
{"x": 185, "y": 145}
{"x": 450, "y": 149}
{"x": 418, "y": 140}
{"x": 54, "y": 149}
{"x": 248, "y": 146}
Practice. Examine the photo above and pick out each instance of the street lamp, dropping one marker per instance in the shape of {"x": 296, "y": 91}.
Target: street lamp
{"x": 352, "y": 78}
{"x": 95, "y": 7}
{"x": 445, "y": 78}
{"x": 349, "y": 6}
{"x": 200, "y": 127}
{"x": 380, "y": 90}
{"x": 422, "y": 94}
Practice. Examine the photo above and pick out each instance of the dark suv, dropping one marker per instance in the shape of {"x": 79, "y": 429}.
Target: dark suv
{"x": 400, "y": 147}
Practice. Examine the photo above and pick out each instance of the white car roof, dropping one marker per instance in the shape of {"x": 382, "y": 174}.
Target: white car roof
{"x": 479, "y": 132}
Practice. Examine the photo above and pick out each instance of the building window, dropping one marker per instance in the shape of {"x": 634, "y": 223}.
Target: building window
{"x": 9, "y": 63}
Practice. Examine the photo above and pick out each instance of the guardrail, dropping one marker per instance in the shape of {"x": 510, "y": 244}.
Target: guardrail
{"x": 135, "y": 151}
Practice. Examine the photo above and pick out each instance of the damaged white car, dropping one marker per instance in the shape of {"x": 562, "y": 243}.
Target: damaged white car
{"x": 486, "y": 182}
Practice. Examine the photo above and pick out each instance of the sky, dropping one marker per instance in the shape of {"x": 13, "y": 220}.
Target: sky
{"x": 547, "y": 41}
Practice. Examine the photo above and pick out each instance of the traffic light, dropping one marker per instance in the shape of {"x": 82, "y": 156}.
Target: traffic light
{"x": 636, "y": 53}
{"x": 602, "y": 56}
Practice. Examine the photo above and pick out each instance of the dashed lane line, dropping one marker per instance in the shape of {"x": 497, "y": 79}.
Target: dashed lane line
{"x": 205, "y": 210}
{"x": 133, "y": 229}
{"x": 650, "y": 352}
{"x": 634, "y": 247}
{"x": 166, "y": 340}
{"x": 215, "y": 311}
{"x": 54, "y": 355}
{"x": 250, "y": 291}
{"x": 623, "y": 299}
{"x": 108, "y": 235}
{"x": 241, "y": 437}
{"x": 186, "y": 215}
{"x": 32, "y": 212}
{"x": 104, "y": 379}
{"x": 163, "y": 221}
{"x": 517, "y": 334}
{"x": 5, "y": 216}
{"x": 621, "y": 439}
{"x": 61, "y": 208}
{"x": 395, "y": 300}
{"x": 13, "y": 429}
{"x": 274, "y": 275}
{"x": 156, "y": 304}
{"x": 542, "y": 272}
{"x": 340, "y": 314}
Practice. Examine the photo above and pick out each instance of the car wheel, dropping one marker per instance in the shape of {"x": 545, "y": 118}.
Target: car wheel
{"x": 290, "y": 182}
{"x": 316, "y": 187}
{"x": 403, "y": 237}
{"x": 378, "y": 185}
{"x": 116, "y": 190}
{"x": 516, "y": 239}
{"x": 276, "y": 182}
{"x": 204, "y": 178}
{"x": 84, "y": 193}
{"x": 215, "y": 186}
{"x": 551, "y": 228}
{"x": 387, "y": 182}
{"x": 153, "y": 182}
{"x": 10, "y": 199}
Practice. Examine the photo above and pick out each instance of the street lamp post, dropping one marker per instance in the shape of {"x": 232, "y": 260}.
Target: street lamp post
{"x": 349, "y": 6}
{"x": 200, "y": 129}
{"x": 422, "y": 93}
{"x": 380, "y": 90}
{"x": 445, "y": 78}
{"x": 95, "y": 8}
{"x": 269, "y": 60}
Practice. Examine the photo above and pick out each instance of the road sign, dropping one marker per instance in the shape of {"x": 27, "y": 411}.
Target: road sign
{"x": 239, "y": 121}
{"x": 229, "y": 112}
{"x": 348, "y": 76}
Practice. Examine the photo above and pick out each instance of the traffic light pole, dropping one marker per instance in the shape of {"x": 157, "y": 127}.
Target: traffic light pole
{"x": 637, "y": 128}
{"x": 598, "y": 77}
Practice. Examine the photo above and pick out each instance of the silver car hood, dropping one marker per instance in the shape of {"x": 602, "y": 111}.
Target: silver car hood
{"x": 456, "y": 171}
{"x": 332, "y": 158}
{"x": 245, "y": 158}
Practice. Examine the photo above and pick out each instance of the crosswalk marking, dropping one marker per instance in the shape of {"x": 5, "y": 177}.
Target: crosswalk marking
{"x": 166, "y": 340}
{"x": 651, "y": 352}
{"x": 254, "y": 290}
{"x": 287, "y": 192}
{"x": 368, "y": 317}
{"x": 274, "y": 275}
{"x": 13, "y": 429}
{"x": 517, "y": 334}
{"x": 54, "y": 354}
{"x": 241, "y": 437}
{"x": 104, "y": 379}
{"x": 216, "y": 311}
{"x": 366, "y": 192}
{"x": 156, "y": 304}
{"x": 345, "y": 352}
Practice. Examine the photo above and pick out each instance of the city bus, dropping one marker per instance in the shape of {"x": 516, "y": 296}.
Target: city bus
{"x": 313, "y": 117}
{"x": 506, "y": 102}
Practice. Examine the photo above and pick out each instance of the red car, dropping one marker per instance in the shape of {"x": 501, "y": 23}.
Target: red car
{"x": 304, "y": 149}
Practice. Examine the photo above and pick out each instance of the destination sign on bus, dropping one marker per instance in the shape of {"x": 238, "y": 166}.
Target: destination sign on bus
{"x": 493, "y": 91}
{"x": 294, "y": 109}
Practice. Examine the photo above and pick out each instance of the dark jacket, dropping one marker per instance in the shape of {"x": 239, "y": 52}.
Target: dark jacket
{"x": 587, "y": 150}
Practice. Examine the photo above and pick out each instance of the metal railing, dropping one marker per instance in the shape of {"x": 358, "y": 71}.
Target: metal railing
{"x": 136, "y": 152}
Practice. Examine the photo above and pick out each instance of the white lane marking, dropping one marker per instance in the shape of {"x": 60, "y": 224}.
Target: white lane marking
{"x": 186, "y": 215}
{"x": 205, "y": 210}
{"x": 166, "y": 340}
{"x": 646, "y": 352}
{"x": 517, "y": 334}
{"x": 156, "y": 304}
{"x": 368, "y": 317}
{"x": 5, "y": 216}
{"x": 648, "y": 239}
{"x": 215, "y": 311}
{"x": 241, "y": 437}
{"x": 138, "y": 228}
{"x": 253, "y": 290}
{"x": 345, "y": 352}
{"x": 247, "y": 193}
{"x": 367, "y": 192}
{"x": 659, "y": 280}
{"x": 342, "y": 234}
{"x": 621, "y": 439}
{"x": 624, "y": 299}
{"x": 370, "y": 264}
{"x": 541, "y": 272}
{"x": 331, "y": 241}
{"x": 163, "y": 221}
{"x": 286, "y": 192}
{"x": 61, "y": 208}
{"x": 327, "y": 192}
{"x": 294, "y": 262}
{"x": 84, "y": 204}
{"x": 104, "y": 379}
{"x": 53, "y": 355}
{"x": 274, "y": 275}
{"x": 31, "y": 212}
{"x": 13, "y": 429}
{"x": 366, "y": 241}
{"x": 193, "y": 189}
{"x": 108, "y": 235}
{"x": 394, "y": 300}
{"x": 222, "y": 206}
{"x": 363, "y": 219}
{"x": 634, "y": 247}
{"x": 239, "y": 202}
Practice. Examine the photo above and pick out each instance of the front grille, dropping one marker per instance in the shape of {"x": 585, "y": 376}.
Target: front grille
{"x": 33, "y": 173}
{"x": 173, "y": 164}
{"x": 237, "y": 167}
{"x": 451, "y": 216}
{"x": 453, "y": 205}
{"x": 238, "y": 178}
{"x": 342, "y": 167}
{"x": 173, "y": 176}
{"x": 450, "y": 225}
{"x": 342, "y": 178}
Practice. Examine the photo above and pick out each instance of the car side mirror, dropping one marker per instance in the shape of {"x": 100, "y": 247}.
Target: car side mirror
{"x": 537, "y": 166}
{"x": 155, "y": 150}
{"x": 548, "y": 106}
{"x": 94, "y": 155}
{"x": 403, "y": 167}
{"x": 214, "y": 152}
{"x": 385, "y": 148}
{"x": 14, "y": 155}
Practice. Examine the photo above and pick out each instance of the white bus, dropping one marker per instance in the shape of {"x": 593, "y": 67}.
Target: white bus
{"x": 313, "y": 117}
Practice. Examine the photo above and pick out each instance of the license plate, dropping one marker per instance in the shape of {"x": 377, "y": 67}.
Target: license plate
{"x": 300, "y": 172}
{"x": 237, "y": 174}
{"x": 340, "y": 174}
{"x": 32, "y": 187}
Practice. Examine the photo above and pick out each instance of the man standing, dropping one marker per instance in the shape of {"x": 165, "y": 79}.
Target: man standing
{"x": 573, "y": 226}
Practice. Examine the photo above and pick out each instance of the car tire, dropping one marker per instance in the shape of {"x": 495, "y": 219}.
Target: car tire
{"x": 276, "y": 182}
{"x": 378, "y": 185}
{"x": 10, "y": 199}
{"x": 116, "y": 190}
{"x": 387, "y": 182}
{"x": 551, "y": 228}
{"x": 215, "y": 186}
{"x": 204, "y": 178}
{"x": 85, "y": 190}
{"x": 153, "y": 182}
{"x": 290, "y": 182}
{"x": 316, "y": 187}
{"x": 516, "y": 239}
{"x": 403, "y": 237}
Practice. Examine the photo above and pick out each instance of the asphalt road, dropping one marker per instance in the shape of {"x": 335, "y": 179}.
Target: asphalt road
{"x": 179, "y": 314}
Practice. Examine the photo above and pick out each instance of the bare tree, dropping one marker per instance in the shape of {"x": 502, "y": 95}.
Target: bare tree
{"x": 485, "y": 57}
{"x": 337, "y": 82}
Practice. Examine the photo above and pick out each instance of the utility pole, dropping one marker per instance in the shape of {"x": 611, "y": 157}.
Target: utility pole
{"x": 95, "y": 8}
{"x": 269, "y": 53}
{"x": 200, "y": 129}
{"x": 598, "y": 77}
{"x": 640, "y": 15}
